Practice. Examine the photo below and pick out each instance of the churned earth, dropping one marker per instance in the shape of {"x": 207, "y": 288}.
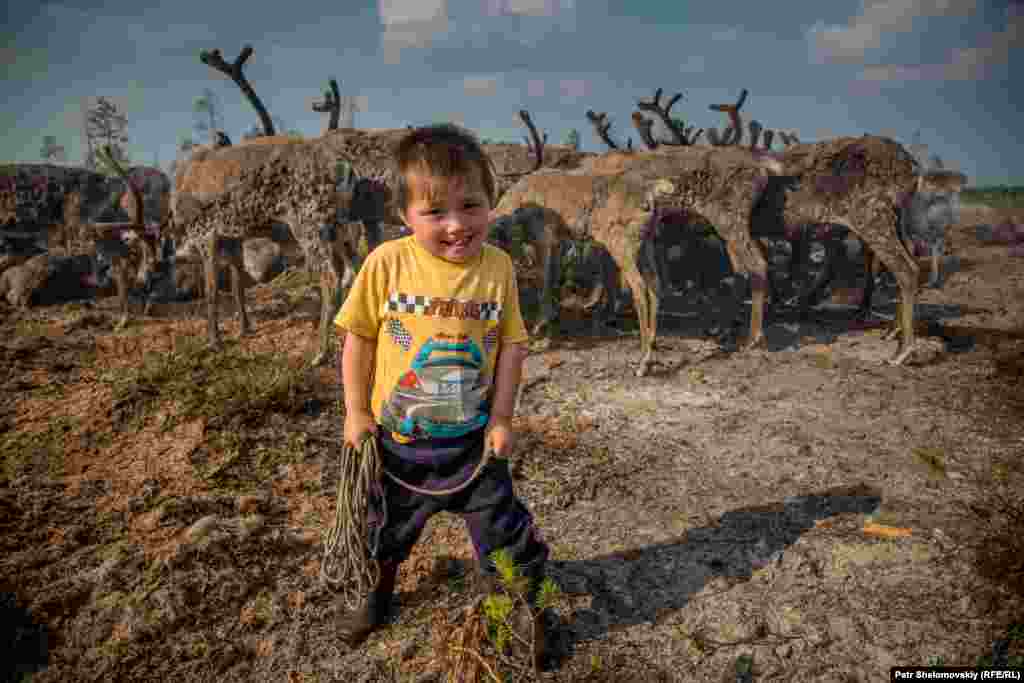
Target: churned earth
{"x": 800, "y": 512}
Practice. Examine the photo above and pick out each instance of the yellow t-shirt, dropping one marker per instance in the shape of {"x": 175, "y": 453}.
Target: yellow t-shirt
{"x": 439, "y": 326}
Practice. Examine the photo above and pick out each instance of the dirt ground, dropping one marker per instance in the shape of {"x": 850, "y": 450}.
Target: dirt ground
{"x": 805, "y": 511}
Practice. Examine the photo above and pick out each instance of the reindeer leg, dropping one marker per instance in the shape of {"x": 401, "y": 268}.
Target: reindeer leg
{"x": 935, "y": 277}
{"x": 373, "y": 235}
{"x": 337, "y": 247}
{"x": 754, "y": 263}
{"x": 210, "y": 262}
{"x": 641, "y": 300}
{"x": 773, "y": 296}
{"x": 904, "y": 266}
{"x": 238, "y": 289}
{"x": 118, "y": 265}
{"x": 655, "y": 286}
{"x": 552, "y": 271}
{"x": 864, "y": 311}
{"x": 327, "y": 312}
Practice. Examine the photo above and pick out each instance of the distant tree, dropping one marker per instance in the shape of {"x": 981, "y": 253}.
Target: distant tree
{"x": 51, "y": 151}
{"x": 209, "y": 116}
{"x": 573, "y": 139}
{"x": 106, "y": 124}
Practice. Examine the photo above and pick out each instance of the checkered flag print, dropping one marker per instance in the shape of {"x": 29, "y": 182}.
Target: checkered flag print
{"x": 424, "y": 305}
{"x": 490, "y": 310}
{"x": 399, "y": 333}
{"x": 408, "y": 303}
{"x": 490, "y": 339}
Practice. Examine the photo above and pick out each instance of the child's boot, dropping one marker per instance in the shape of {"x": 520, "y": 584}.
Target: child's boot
{"x": 355, "y": 626}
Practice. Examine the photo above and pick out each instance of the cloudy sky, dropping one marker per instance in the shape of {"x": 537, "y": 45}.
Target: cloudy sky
{"x": 843, "y": 67}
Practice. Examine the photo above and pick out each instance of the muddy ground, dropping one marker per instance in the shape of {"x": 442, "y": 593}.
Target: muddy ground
{"x": 805, "y": 510}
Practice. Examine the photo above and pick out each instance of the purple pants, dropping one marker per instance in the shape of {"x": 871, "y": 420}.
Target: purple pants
{"x": 494, "y": 516}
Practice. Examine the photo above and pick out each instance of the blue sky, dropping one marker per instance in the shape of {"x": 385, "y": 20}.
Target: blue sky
{"x": 843, "y": 67}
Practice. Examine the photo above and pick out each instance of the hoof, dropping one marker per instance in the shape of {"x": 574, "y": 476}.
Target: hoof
{"x": 758, "y": 342}
{"x": 246, "y": 332}
{"x": 901, "y": 356}
{"x": 542, "y": 344}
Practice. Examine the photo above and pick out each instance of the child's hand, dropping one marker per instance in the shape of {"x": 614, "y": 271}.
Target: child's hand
{"x": 500, "y": 436}
{"x": 357, "y": 424}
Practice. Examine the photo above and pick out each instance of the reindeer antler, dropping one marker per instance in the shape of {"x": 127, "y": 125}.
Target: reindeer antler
{"x": 643, "y": 126}
{"x": 214, "y": 59}
{"x": 755, "y": 132}
{"x": 789, "y": 138}
{"x": 601, "y": 125}
{"x": 330, "y": 104}
{"x": 654, "y": 106}
{"x": 734, "y": 133}
{"x": 538, "y": 144}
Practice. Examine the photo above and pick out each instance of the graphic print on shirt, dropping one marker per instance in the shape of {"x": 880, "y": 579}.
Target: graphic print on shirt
{"x": 445, "y": 391}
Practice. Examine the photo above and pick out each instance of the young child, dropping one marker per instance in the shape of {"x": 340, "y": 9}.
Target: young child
{"x": 431, "y": 363}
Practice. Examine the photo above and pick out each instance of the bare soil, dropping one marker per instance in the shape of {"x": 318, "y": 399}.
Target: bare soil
{"x": 805, "y": 509}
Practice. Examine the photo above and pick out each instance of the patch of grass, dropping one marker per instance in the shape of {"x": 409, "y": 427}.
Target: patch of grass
{"x": 224, "y": 386}
{"x": 295, "y": 279}
{"x": 30, "y": 328}
{"x": 242, "y": 463}
{"x": 23, "y": 450}
{"x": 1000, "y": 197}
{"x": 933, "y": 459}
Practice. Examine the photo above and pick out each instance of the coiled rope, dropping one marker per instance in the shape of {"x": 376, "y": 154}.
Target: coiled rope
{"x": 350, "y": 563}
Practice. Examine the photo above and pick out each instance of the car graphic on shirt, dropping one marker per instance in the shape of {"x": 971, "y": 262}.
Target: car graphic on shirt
{"x": 442, "y": 395}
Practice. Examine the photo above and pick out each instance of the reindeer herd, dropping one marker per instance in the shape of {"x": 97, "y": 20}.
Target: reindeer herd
{"x": 335, "y": 190}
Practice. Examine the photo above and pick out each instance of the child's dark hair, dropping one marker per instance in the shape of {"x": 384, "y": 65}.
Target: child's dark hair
{"x": 443, "y": 150}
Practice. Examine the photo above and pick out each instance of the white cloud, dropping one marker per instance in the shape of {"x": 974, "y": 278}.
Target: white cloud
{"x": 532, "y": 8}
{"x": 574, "y": 88}
{"x": 480, "y": 85}
{"x": 965, "y": 64}
{"x": 410, "y": 11}
{"x": 411, "y": 24}
{"x": 849, "y": 43}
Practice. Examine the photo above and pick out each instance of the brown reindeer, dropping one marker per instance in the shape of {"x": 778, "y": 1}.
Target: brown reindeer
{"x": 328, "y": 190}
{"x": 616, "y": 200}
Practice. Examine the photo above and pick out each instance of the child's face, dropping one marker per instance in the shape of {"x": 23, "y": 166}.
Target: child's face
{"x": 449, "y": 217}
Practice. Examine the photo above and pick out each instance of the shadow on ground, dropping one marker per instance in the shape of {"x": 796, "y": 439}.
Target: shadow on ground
{"x": 24, "y": 644}
{"x": 635, "y": 587}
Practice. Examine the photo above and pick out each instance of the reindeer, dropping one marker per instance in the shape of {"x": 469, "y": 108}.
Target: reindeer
{"x": 856, "y": 182}
{"x": 924, "y": 216}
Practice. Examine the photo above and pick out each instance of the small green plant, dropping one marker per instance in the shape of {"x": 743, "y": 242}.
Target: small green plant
{"x": 498, "y": 608}
{"x": 933, "y": 459}
{"x": 935, "y": 660}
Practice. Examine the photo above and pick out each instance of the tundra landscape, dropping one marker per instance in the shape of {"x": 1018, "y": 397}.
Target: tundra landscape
{"x": 770, "y": 423}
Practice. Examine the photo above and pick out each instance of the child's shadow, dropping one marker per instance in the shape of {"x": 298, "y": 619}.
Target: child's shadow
{"x": 663, "y": 577}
